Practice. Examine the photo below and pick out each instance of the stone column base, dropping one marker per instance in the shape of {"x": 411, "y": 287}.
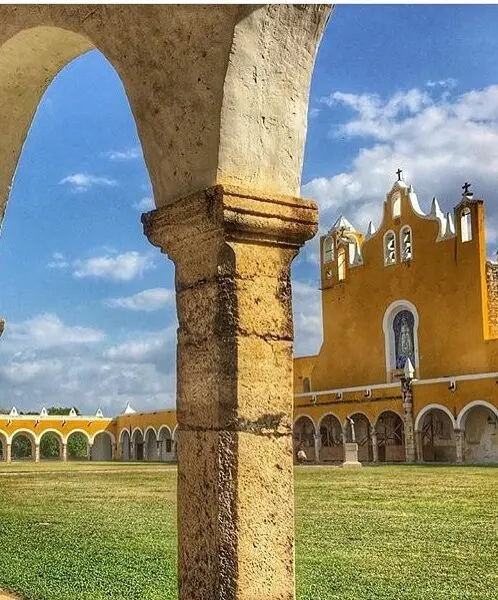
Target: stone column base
{"x": 351, "y": 456}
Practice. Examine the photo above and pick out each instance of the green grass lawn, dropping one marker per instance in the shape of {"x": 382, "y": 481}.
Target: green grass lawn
{"x": 95, "y": 531}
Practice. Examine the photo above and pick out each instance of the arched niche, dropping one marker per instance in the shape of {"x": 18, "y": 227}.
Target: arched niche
{"x": 400, "y": 325}
{"x": 303, "y": 434}
{"x": 331, "y": 439}
{"x": 390, "y": 433}
{"x": 362, "y": 429}
{"x": 437, "y": 434}
{"x": 102, "y": 447}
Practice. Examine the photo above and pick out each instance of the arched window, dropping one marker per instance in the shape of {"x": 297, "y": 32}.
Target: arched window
{"x": 396, "y": 206}
{"x": 341, "y": 263}
{"x": 306, "y": 385}
{"x": 390, "y": 248}
{"x": 466, "y": 225}
{"x": 328, "y": 250}
{"x": 406, "y": 243}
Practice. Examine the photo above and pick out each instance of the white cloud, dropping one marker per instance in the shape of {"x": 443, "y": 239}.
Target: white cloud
{"x": 148, "y": 300}
{"x": 307, "y": 314}
{"x": 439, "y": 144}
{"x": 145, "y": 349}
{"x": 126, "y": 154}
{"x": 122, "y": 267}
{"x": 145, "y": 204}
{"x": 449, "y": 82}
{"x": 82, "y": 182}
{"x": 44, "y": 361}
{"x": 48, "y": 331}
{"x": 58, "y": 261}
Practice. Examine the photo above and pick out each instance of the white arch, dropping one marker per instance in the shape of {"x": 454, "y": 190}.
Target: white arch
{"x": 173, "y": 433}
{"x": 85, "y": 433}
{"x": 357, "y": 412}
{"x": 389, "y": 342}
{"x": 150, "y": 428}
{"x": 307, "y": 416}
{"x": 389, "y": 234}
{"x": 107, "y": 432}
{"x": 388, "y": 410}
{"x": 31, "y": 435}
{"x": 124, "y": 430}
{"x": 462, "y": 415}
{"x": 422, "y": 412}
{"x": 134, "y": 431}
{"x": 51, "y": 430}
{"x": 328, "y": 414}
{"x": 164, "y": 427}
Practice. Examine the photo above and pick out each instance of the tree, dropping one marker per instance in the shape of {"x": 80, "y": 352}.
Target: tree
{"x": 21, "y": 447}
{"x": 50, "y": 446}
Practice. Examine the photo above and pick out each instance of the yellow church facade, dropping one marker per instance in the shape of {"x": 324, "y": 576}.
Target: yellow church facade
{"x": 409, "y": 357}
{"x": 408, "y": 363}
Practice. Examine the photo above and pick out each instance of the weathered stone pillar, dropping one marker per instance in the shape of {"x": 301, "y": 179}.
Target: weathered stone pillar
{"x": 375, "y": 448}
{"x": 318, "y": 447}
{"x": 419, "y": 447}
{"x": 460, "y": 445}
{"x": 8, "y": 453}
{"x": 410, "y": 453}
{"x": 232, "y": 250}
{"x": 37, "y": 453}
{"x": 64, "y": 451}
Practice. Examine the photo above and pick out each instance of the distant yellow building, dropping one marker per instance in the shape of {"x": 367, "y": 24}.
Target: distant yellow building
{"x": 410, "y": 339}
{"x": 409, "y": 358}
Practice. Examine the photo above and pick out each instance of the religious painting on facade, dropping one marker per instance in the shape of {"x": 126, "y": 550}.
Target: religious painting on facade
{"x": 403, "y": 338}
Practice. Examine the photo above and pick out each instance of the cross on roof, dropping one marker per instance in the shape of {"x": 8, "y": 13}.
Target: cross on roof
{"x": 399, "y": 172}
{"x": 465, "y": 188}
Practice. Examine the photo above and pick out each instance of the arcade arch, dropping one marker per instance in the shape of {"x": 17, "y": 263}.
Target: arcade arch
{"x": 435, "y": 427}
{"x": 78, "y": 445}
{"x": 478, "y": 422}
{"x": 137, "y": 444}
{"x": 331, "y": 439}
{"x": 304, "y": 437}
{"x": 166, "y": 450}
{"x": 51, "y": 444}
{"x": 125, "y": 451}
{"x": 390, "y": 434}
{"x": 151, "y": 444}
{"x": 362, "y": 435}
{"x": 103, "y": 446}
{"x": 23, "y": 445}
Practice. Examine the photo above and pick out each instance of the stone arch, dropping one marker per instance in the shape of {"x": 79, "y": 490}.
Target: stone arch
{"x": 137, "y": 444}
{"x": 363, "y": 435}
{"x": 478, "y": 422}
{"x": 423, "y": 411}
{"x": 102, "y": 446}
{"x": 303, "y": 434}
{"x": 435, "y": 425}
{"x": 166, "y": 449}
{"x": 331, "y": 439}
{"x": 49, "y": 450}
{"x": 21, "y": 450}
{"x": 3, "y": 445}
{"x": 78, "y": 445}
{"x": 125, "y": 452}
{"x": 150, "y": 444}
{"x": 389, "y": 337}
{"x": 390, "y": 433}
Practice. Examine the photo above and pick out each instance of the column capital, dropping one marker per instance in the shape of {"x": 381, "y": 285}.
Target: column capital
{"x": 231, "y": 214}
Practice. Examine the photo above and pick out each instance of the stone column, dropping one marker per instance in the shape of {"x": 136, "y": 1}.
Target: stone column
{"x": 64, "y": 451}
{"x": 37, "y": 453}
{"x": 419, "y": 447}
{"x": 232, "y": 251}
{"x": 89, "y": 451}
{"x": 375, "y": 448}
{"x": 8, "y": 453}
{"x": 407, "y": 392}
{"x": 460, "y": 445}
{"x": 318, "y": 447}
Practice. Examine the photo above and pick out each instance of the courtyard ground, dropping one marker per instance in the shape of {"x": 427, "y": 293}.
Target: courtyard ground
{"x": 91, "y": 531}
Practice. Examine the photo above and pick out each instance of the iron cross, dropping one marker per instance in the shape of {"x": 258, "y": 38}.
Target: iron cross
{"x": 398, "y": 173}
{"x": 465, "y": 187}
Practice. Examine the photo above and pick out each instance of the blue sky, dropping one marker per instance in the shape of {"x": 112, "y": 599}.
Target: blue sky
{"x": 89, "y": 302}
